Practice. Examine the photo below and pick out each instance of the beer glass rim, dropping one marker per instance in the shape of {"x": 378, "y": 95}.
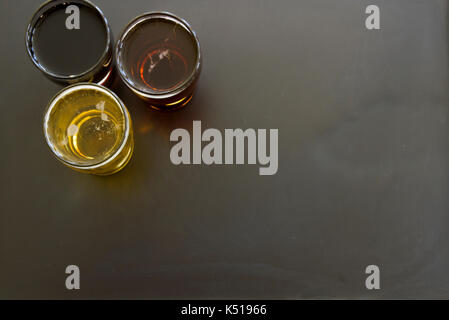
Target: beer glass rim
{"x": 135, "y": 22}
{"x": 48, "y": 5}
{"x": 92, "y": 86}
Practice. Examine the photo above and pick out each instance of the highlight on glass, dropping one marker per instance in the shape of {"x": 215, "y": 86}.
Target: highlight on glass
{"x": 89, "y": 129}
{"x": 158, "y": 57}
{"x": 71, "y": 41}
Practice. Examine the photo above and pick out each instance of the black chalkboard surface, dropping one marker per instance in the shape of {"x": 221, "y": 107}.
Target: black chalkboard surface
{"x": 363, "y": 168}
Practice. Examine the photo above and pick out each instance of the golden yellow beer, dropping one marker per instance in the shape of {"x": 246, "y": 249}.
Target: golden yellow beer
{"x": 89, "y": 129}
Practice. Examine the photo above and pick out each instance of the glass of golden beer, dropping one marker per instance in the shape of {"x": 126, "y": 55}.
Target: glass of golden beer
{"x": 89, "y": 129}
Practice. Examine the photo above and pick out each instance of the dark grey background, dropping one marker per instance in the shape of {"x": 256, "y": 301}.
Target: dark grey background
{"x": 363, "y": 163}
